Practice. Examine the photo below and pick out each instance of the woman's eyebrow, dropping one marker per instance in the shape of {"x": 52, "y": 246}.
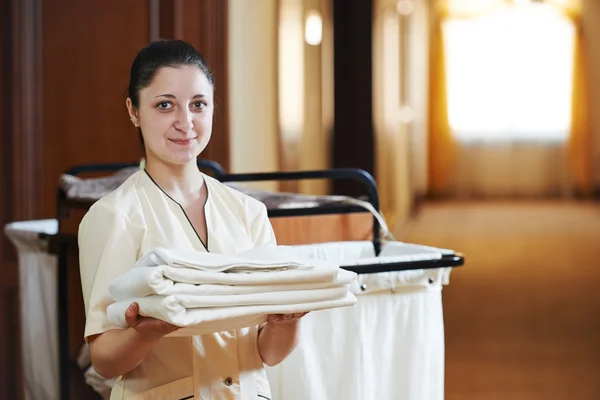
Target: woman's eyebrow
{"x": 170, "y": 96}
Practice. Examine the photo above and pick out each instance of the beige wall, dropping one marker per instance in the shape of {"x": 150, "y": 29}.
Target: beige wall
{"x": 591, "y": 26}
{"x": 417, "y": 81}
{"x": 305, "y": 92}
{"x": 400, "y": 79}
{"x": 318, "y": 101}
{"x": 281, "y": 89}
{"x": 253, "y": 86}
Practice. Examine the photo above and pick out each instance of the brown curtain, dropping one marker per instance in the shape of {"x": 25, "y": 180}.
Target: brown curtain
{"x": 580, "y": 138}
{"x": 442, "y": 145}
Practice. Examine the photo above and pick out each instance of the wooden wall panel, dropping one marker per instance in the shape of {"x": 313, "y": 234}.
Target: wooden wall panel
{"x": 204, "y": 25}
{"x": 323, "y": 228}
{"x": 7, "y": 283}
{"x": 88, "y": 48}
{"x": 66, "y": 72}
{"x": 4, "y": 362}
{"x": 20, "y": 130}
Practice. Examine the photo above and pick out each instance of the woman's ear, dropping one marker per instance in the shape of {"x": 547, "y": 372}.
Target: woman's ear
{"x": 132, "y": 113}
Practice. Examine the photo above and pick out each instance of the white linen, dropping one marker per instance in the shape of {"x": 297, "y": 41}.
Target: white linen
{"x": 390, "y": 345}
{"x": 38, "y": 309}
{"x": 338, "y": 252}
{"x": 417, "y": 251}
{"x": 145, "y": 281}
{"x": 127, "y": 224}
{"x": 363, "y": 252}
{"x": 261, "y": 258}
{"x": 255, "y": 299}
{"x": 188, "y": 275}
{"x": 200, "y": 321}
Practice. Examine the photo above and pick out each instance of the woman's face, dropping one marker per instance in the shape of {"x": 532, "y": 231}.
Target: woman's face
{"x": 175, "y": 115}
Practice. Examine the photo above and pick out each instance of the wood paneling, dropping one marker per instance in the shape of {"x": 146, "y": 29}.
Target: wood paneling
{"x": 88, "y": 49}
{"x": 323, "y": 228}
{"x": 170, "y": 19}
{"x": 66, "y": 72}
{"x": 4, "y": 25}
{"x": 204, "y": 25}
{"x": 26, "y": 124}
{"x": 20, "y": 133}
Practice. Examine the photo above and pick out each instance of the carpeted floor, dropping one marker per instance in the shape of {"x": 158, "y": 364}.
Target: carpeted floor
{"x": 522, "y": 316}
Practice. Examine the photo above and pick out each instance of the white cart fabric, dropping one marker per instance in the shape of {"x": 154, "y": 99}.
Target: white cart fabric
{"x": 390, "y": 345}
{"x": 39, "y": 316}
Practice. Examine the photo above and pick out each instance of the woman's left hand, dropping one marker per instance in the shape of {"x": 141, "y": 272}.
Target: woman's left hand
{"x": 278, "y": 337}
{"x": 285, "y": 318}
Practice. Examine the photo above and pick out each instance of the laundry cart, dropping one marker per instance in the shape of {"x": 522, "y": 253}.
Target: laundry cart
{"x": 389, "y": 345}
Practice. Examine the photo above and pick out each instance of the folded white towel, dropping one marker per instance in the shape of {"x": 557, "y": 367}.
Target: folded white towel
{"x": 256, "y": 299}
{"x": 261, "y": 258}
{"x": 189, "y": 275}
{"x": 145, "y": 281}
{"x": 200, "y": 321}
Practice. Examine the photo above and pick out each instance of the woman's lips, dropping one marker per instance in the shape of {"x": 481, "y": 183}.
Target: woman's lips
{"x": 182, "y": 142}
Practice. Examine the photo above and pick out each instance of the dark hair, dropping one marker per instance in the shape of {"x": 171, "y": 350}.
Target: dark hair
{"x": 159, "y": 54}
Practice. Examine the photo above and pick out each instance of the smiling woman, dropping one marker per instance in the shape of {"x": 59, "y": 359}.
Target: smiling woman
{"x": 170, "y": 203}
{"x": 171, "y": 101}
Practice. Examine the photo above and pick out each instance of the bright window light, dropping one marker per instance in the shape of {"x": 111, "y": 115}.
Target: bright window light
{"x": 509, "y": 74}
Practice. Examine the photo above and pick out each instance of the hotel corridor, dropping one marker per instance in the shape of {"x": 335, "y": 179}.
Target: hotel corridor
{"x": 522, "y": 316}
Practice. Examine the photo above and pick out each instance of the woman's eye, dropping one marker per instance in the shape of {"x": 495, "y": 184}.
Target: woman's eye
{"x": 199, "y": 104}
{"x": 164, "y": 105}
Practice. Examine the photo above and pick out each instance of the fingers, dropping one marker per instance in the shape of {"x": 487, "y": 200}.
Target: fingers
{"x": 131, "y": 314}
{"x": 295, "y": 315}
{"x": 286, "y": 317}
{"x": 172, "y": 328}
{"x": 275, "y": 317}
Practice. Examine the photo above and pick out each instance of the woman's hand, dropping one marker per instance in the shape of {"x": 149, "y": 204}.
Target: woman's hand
{"x": 278, "y": 337}
{"x": 150, "y": 328}
{"x": 285, "y": 318}
{"x": 118, "y": 351}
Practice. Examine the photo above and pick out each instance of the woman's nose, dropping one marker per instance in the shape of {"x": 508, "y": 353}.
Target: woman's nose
{"x": 184, "y": 121}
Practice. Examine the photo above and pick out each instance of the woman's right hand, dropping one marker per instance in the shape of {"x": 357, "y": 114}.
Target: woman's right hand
{"x": 150, "y": 328}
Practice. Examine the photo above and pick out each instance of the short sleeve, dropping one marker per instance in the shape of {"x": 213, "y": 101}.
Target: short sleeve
{"x": 260, "y": 226}
{"x": 106, "y": 250}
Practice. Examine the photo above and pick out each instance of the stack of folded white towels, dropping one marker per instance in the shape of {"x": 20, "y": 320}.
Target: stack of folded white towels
{"x": 207, "y": 292}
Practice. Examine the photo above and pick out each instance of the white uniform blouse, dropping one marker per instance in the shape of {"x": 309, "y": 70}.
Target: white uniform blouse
{"x": 124, "y": 225}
